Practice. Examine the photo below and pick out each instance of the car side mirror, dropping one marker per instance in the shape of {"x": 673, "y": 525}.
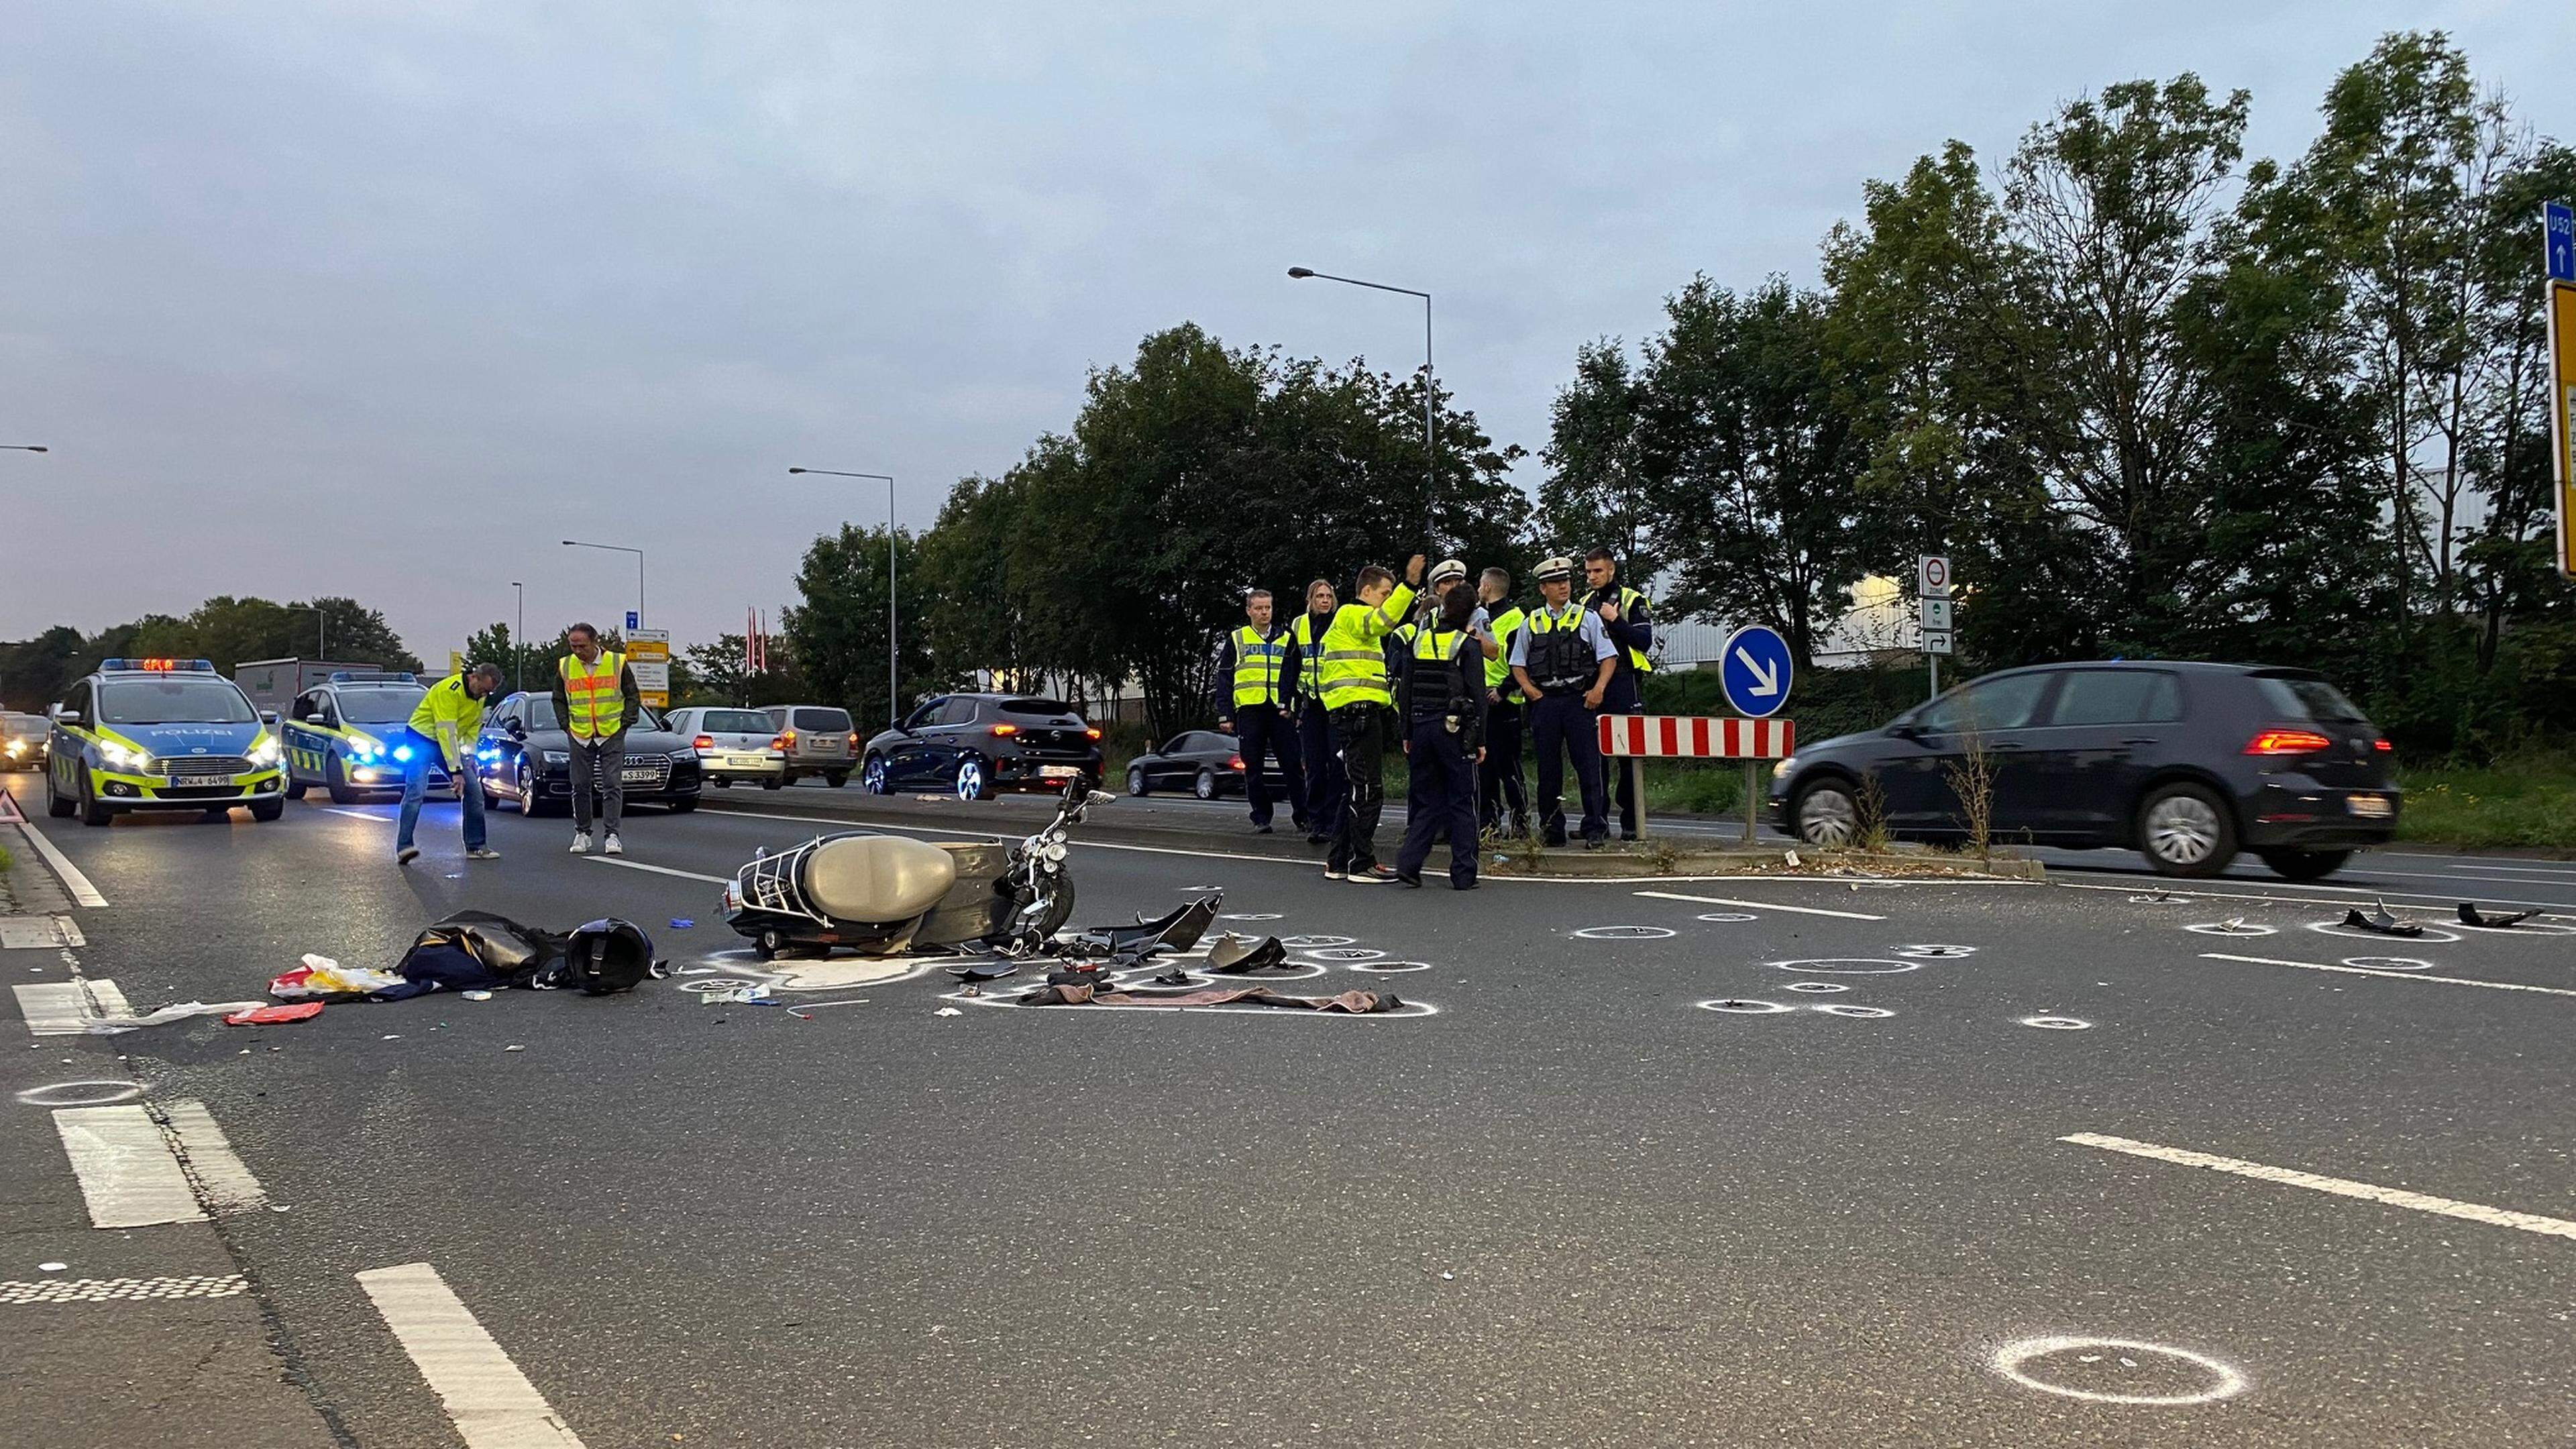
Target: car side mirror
{"x": 268, "y": 716}
{"x": 1905, "y": 730}
{"x": 71, "y": 717}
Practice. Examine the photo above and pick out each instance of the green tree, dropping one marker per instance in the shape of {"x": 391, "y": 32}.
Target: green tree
{"x": 716, "y": 675}
{"x": 837, "y": 630}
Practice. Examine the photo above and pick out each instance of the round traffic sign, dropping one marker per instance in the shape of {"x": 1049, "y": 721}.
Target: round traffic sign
{"x": 1755, "y": 671}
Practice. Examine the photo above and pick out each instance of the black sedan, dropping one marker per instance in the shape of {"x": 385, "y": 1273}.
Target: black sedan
{"x": 1206, "y": 763}
{"x": 525, "y": 755}
{"x": 974, "y": 745}
{"x": 2184, "y": 763}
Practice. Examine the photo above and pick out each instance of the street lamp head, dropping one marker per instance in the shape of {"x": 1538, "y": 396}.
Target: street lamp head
{"x": 568, "y": 543}
{"x": 795, "y": 470}
{"x": 1301, "y": 273}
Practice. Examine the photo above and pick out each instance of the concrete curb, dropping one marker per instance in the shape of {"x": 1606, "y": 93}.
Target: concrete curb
{"x": 1628, "y": 862}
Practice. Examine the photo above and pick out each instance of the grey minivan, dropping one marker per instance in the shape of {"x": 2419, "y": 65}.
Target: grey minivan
{"x": 816, "y": 739}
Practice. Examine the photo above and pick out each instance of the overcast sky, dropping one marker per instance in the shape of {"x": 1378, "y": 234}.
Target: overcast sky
{"x": 381, "y": 299}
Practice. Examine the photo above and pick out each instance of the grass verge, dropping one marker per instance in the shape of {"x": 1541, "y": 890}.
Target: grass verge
{"x": 2526, "y": 802}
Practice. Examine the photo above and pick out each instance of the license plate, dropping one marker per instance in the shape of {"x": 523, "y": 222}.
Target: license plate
{"x": 745, "y": 762}
{"x": 2370, "y": 807}
{"x": 641, "y": 777}
{"x": 1057, "y": 772}
{"x": 185, "y": 782}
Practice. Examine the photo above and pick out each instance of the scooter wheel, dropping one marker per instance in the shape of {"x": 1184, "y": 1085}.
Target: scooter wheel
{"x": 768, "y": 944}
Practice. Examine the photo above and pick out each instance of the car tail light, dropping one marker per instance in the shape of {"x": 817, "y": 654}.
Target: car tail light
{"x": 1235, "y": 764}
{"x": 1093, "y": 731}
{"x": 2381, "y": 745}
{"x": 2287, "y": 742}
{"x": 703, "y": 742}
{"x": 786, "y": 740}
{"x": 1005, "y": 731}
{"x": 854, "y": 740}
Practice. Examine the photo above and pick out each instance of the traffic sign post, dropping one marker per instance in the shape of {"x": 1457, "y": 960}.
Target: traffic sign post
{"x": 1755, "y": 670}
{"x": 648, "y": 655}
{"x": 1638, "y": 737}
{"x": 2558, "y": 230}
{"x": 1932, "y": 587}
{"x": 634, "y": 621}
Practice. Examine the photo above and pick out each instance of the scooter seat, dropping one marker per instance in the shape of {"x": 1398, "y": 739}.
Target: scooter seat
{"x": 877, "y": 878}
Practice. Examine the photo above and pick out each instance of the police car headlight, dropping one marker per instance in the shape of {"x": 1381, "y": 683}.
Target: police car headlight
{"x": 264, "y": 752}
{"x": 121, "y": 757}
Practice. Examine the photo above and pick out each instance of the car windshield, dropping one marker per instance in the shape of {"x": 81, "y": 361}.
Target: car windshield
{"x": 735, "y": 721}
{"x": 823, "y": 719}
{"x": 2292, "y": 697}
{"x": 383, "y": 704}
{"x": 172, "y": 701}
{"x": 21, "y": 724}
{"x": 1988, "y": 704}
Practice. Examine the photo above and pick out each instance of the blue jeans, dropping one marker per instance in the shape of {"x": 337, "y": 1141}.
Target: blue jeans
{"x": 469, "y": 789}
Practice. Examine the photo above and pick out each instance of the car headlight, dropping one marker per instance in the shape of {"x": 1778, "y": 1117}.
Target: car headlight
{"x": 679, "y": 755}
{"x": 558, "y": 757}
{"x": 122, "y": 757}
{"x": 364, "y": 748}
{"x": 17, "y": 747}
{"x": 1786, "y": 764}
{"x": 263, "y": 751}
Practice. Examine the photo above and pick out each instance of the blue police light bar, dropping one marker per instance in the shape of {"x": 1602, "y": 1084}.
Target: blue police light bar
{"x": 161, "y": 666}
{"x": 373, "y": 676}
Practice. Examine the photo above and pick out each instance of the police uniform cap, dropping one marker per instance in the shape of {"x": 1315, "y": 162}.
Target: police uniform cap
{"x": 1550, "y": 570}
{"x": 1449, "y": 568}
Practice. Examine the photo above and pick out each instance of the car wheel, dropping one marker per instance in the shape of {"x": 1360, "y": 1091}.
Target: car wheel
{"x": 836, "y": 778}
{"x": 336, "y": 780}
{"x": 267, "y": 809}
{"x": 55, "y": 805}
{"x": 2305, "y": 864}
{"x": 91, "y": 811}
{"x": 970, "y": 779}
{"x": 873, "y": 777}
{"x": 774, "y": 782}
{"x": 1136, "y": 781}
{"x": 722, "y": 782}
{"x": 2185, "y": 830}
{"x": 684, "y": 804}
{"x": 1826, "y": 815}
{"x": 530, "y": 789}
{"x": 1205, "y": 785}
{"x": 294, "y": 786}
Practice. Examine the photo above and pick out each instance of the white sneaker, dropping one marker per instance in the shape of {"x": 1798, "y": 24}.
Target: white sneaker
{"x": 612, "y": 847}
{"x": 580, "y": 843}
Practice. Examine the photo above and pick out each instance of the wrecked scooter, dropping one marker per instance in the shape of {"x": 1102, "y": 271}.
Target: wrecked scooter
{"x": 885, "y": 895}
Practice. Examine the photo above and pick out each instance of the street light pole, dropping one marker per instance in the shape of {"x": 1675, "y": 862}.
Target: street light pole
{"x": 321, "y": 628}
{"x": 639, "y": 570}
{"x": 24, "y": 448}
{"x": 894, "y": 706}
{"x": 1430, "y": 393}
{"x": 519, "y": 637}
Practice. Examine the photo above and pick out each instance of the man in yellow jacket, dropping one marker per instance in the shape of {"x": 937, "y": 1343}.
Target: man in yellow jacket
{"x": 443, "y": 728}
{"x": 1351, "y": 678}
{"x": 596, "y": 699}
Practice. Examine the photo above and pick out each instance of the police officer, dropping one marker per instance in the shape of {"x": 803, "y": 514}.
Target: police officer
{"x": 1353, "y": 684}
{"x": 1503, "y": 804}
{"x": 1444, "y": 713}
{"x": 443, "y": 728}
{"x": 1252, "y": 688}
{"x": 1628, "y": 617}
{"x": 1564, "y": 660}
{"x": 1302, "y": 667}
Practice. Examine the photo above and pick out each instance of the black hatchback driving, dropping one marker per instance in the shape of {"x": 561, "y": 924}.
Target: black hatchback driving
{"x": 977, "y": 744}
{"x": 2185, "y": 763}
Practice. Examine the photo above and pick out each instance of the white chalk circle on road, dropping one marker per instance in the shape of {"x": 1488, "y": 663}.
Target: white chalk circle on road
{"x": 2057, "y": 1023}
{"x": 1931, "y": 951}
{"x": 1391, "y": 967}
{"x": 1860, "y": 1013}
{"x": 1309, "y": 943}
{"x": 1343, "y": 955}
{"x": 1847, "y": 966}
{"x": 2163, "y": 1376}
{"x": 1741, "y": 1006}
{"x": 1249, "y": 916}
{"x": 2387, "y": 963}
{"x": 2337, "y": 928}
{"x": 89, "y": 1093}
{"x": 1727, "y": 918}
{"x": 1624, "y": 933}
{"x": 2223, "y": 928}
{"x": 1818, "y": 988}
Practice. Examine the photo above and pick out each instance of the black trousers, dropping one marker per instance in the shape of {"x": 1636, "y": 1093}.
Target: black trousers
{"x": 1359, "y": 735}
{"x": 1500, "y": 796}
{"x": 1260, "y": 729}
{"x": 1439, "y": 798}
{"x": 1561, "y": 726}
{"x": 1326, "y": 790}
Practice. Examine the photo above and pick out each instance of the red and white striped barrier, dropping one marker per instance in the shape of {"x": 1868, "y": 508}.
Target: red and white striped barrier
{"x": 1695, "y": 737}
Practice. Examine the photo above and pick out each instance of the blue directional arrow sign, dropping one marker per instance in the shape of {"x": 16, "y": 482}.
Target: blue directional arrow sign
{"x": 2559, "y": 221}
{"x": 1755, "y": 671}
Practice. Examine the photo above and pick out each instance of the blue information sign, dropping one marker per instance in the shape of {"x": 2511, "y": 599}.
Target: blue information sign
{"x": 1755, "y": 671}
{"x": 2560, "y": 222}
{"x": 634, "y": 621}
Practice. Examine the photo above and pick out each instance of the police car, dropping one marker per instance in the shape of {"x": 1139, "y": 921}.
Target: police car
{"x": 161, "y": 734}
{"x": 347, "y": 735}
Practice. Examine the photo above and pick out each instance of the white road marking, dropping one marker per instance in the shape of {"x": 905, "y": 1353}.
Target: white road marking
{"x": 54, "y": 1008}
{"x": 491, "y": 1403}
{"x": 2387, "y": 976}
{"x": 2410, "y": 900}
{"x": 75, "y": 884}
{"x": 1761, "y": 906}
{"x": 222, "y": 1179}
{"x": 2339, "y": 1186}
{"x": 125, "y": 1168}
{"x": 122, "y": 1290}
{"x": 359, "y": 814}
{"x": 656, "y": 869}
{"x": 39, "y": 933}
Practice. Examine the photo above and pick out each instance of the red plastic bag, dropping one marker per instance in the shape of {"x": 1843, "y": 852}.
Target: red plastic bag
{"x": 274, "y": 1015}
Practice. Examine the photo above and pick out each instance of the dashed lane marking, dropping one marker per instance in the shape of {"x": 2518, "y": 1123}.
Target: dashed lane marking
{"x": 122, "y": 1290}
{"x": 222, "y": 1180}
{"x": 491, "y": 1403}
{"x": 2389, "y": 976}
{"x": 1761, "y": 906}
{"x": 75, "y": 884}
{"x": 656, "y": 869}
{"x": 66, "y": 1008}
{"x": 39, "y": 933}
{"x": 126, "y": 1172}
{"x": 2339, "y": 1186}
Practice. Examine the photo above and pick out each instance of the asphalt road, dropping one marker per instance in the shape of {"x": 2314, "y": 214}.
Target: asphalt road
{"x": 1564, "y": 1204}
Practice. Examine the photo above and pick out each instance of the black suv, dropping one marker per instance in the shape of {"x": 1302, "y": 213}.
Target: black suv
{"x": 975, "y": 744}
{"x": 2184, "y": 763}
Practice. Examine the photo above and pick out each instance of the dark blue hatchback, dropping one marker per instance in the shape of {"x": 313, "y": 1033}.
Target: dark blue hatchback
{"x": 2185, "y": 763}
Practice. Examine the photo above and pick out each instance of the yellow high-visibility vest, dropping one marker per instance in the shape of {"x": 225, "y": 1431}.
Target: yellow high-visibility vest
{"x": 592, "y": 696}
{"x": 1354, "y": 666}
{"x": 1310, "y": 656}
{"x": 1498, "y": 670}
{"x": 1628, "y": 601}
{"x": 1256, "y": 667}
